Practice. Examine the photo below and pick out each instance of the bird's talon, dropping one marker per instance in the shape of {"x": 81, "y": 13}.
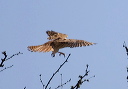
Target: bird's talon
{"x": 60, "y": 53}
{"x": 53, "y": 55}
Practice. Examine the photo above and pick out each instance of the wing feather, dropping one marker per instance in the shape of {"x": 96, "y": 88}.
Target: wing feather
{"x": 41, "y": 48}
{"x": 61, "y": 43}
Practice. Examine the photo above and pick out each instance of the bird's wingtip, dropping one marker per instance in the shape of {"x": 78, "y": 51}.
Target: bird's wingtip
{"x": 94, "y": 43}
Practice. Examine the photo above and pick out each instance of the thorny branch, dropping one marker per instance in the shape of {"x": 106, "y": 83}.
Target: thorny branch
{"x": 56, "y": 71}
{"x": 80, "y": 81}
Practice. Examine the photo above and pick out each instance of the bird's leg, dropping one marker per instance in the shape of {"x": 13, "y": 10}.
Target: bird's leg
{"x": 53, "y": 55}
{"x": 60, "y": 53}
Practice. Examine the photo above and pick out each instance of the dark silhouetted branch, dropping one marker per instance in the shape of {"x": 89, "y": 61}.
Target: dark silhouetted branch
{"x": 13, "y": 55}
{"x": 127, "y": 78}
{"x": 124, "y": 45}
{"x": 24, "y": 87}
{"x": 56, "y": 71}
{"x": 41, "y": 81}
{"x": 63, "y": 84}
{"x": 61, "y": 80}
{"x": 127, "y": 75}
{"x": 5, "y": 58}
{"x": 6, "y": 68}
{"x": 81, "y": 80}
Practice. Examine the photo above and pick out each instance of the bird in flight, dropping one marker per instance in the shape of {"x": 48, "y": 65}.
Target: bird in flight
{"x": 58, "y": 41}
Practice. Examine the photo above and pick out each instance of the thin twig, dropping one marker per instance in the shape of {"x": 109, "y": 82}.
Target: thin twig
{"x": 6, "y": 68}
{"x": 56, "y": 72}
{"x": 13, "y": 55}
{"x": 41, "y": 81}
{"x": 127, "y": 75}
{"x": 63, "y": 84}
{"x": 24, "y": 87}
{"x": 124, "y": 45}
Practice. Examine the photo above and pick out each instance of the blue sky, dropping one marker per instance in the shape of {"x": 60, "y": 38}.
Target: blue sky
{"x": 24, "y": 23}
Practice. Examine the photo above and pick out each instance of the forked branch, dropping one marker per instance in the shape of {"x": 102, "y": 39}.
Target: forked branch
{"x": 57, "y": 71}
{"x": 81, "y": 80}
{"x": 5, "y": 59}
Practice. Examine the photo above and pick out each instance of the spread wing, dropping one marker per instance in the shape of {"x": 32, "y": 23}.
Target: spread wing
{"x": 55, "y": 35}
{"x": 41, "y": 48}
{"x": 57, "y": 44}
{"x": 62, "y": 43}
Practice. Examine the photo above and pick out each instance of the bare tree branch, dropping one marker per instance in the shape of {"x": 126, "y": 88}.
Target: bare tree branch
{"x": 2, "y": 60}
{"x": 61, "y": 80}
{"x": 127, "y": 75}
{"x": 80, "y": 81}
{"x": 13, "y": 55}
{"x": 126, "y": 48}
{"x": 24, "y": 87}
{"x": 56, "y": 71}
{"x": 5, "y": 58}
{"x": 63, "y": 84}
{"x": 6, "y": 68}
{"x": 124, "y": 45}
{"x": 41, "y": 81}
